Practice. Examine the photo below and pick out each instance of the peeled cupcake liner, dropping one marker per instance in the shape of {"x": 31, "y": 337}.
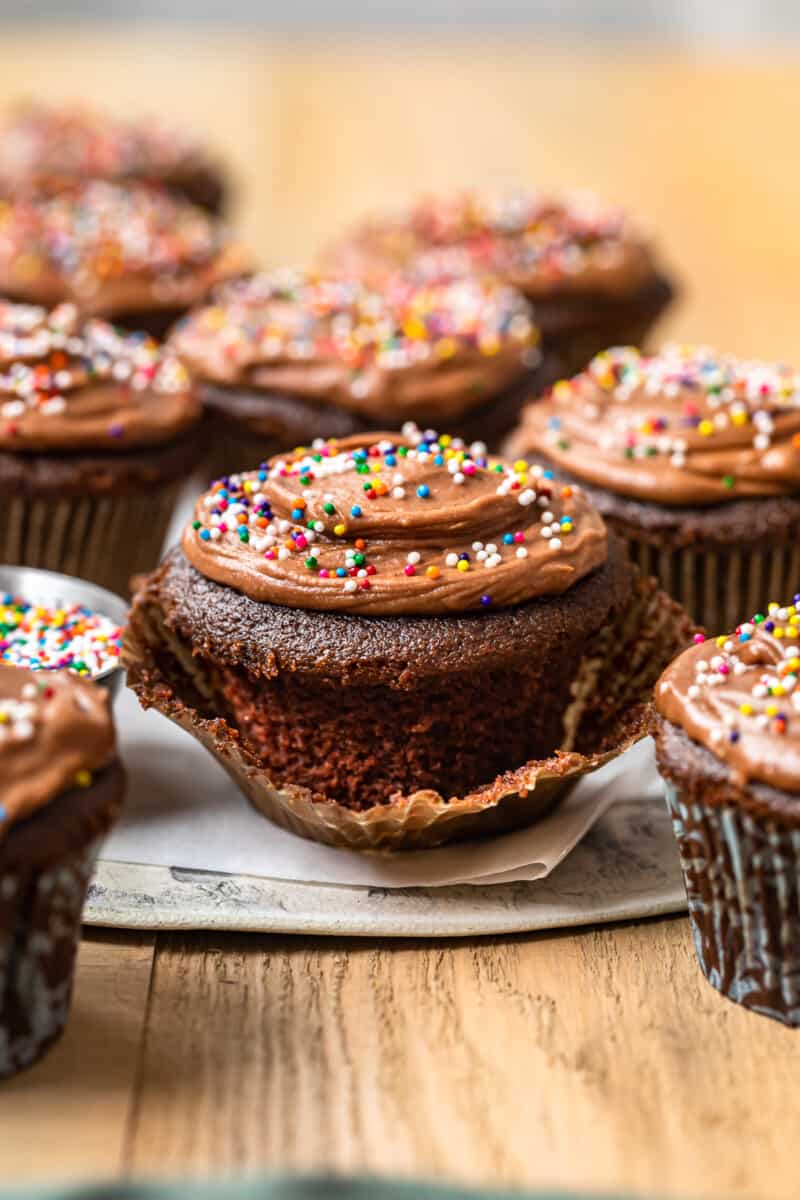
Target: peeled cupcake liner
{"x": 609, "y": 711}
{"x": 40, "y": 924}
{"x": 718, "y": 586}
{"x": 103, "y": 539}
{"x": 742, "y": 877}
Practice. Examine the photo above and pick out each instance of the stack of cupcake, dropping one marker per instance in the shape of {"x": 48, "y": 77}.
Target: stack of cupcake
{"x": 392, "y": 637}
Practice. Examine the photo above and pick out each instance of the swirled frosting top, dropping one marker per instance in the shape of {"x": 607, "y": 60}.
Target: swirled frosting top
{"x": 404, "y": 352}
{"x": 686, "y": 426}
{"x": 739, "y": 696}
{"x": 112, "y": 248}
{"x": 417, "y": 524}
{"x": 41, "y": 146}
{"x": 544, "y": 245}
{"x": 68, "y": 384}
{"x": 55, "y": 730}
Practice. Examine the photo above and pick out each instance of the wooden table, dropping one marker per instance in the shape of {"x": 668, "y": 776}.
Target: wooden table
{"x": 599, "y": 1059}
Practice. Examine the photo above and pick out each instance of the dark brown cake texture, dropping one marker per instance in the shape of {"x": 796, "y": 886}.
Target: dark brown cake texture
{"x": 586, "y": 267}
{"x": 60, "y": 789}
{"x": 43, "y": 150}
{"x": 694, "y": 459}
{"x": 728, "y": 744}
{"x": 283, "y": 358}
{"x": 132, "y": 254}
{"x": 436, "y": 702}
{"x": 97, "y": 433}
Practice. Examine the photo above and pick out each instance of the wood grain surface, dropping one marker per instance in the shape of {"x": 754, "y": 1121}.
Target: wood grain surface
{"x": 599, "y": 1059}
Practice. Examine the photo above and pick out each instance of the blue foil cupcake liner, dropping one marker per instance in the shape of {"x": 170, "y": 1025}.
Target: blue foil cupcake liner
{"x": 742, "y": 877}
{"x": 40, "y": 922}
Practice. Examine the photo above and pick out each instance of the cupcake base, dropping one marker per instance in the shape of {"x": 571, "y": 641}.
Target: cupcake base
{"x": 45, "y": 865}
{"x": 740, "y": 856}
{"x": 82, "y": 535}
{"x": 717, "y": 561}
{"x": 444, "y": 769}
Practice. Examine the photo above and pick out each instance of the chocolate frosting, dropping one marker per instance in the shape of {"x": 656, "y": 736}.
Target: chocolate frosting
{"x": 404, "y": 353}
{"x": 386, "y": 525}
{"x": 41, "y": 148}
{"x": 55, "y": 730}
{"x": 686, "y": 426}
{"x": 544, "y": 245}
{"x": 739, "y": 696}
{"x": 113, "y": 249}
{"x": 72, "y": 385}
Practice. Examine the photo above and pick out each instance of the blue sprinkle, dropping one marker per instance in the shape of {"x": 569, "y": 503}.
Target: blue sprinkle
{"x": 340, "y": 571}
{"x": 439, "y": 460}
{"x": 390, "y": 460}
{"x": 554, "y": 423}
{"x": 508, "y": 539}
{"x": 355, "y": 511}
{"x": 205, "y": 535}
{"x": 486, "y": 600}
{"x": 3, "y": 814}
{"x": 297, "y": 514}
{"x": 423, "y": 490}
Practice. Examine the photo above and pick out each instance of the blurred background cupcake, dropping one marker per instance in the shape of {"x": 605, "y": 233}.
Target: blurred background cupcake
{"x": 283, "y": 358}
{"x": 133, "y": 254}
{"x": 60, "y": 789}
{"x": 728, "y": 746}
{"x": 44, "y": 149}
{"x": 588, "y": 269}
{"x": 97, "y": 432}
{"x": 694, "y": 458}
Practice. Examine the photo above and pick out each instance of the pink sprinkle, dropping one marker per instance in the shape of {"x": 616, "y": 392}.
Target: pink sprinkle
{"x": 519, "y": 536}
{"x": 409, "y": 570}
{"x": 323, "y": 573}
{"x": 698, "y": 639}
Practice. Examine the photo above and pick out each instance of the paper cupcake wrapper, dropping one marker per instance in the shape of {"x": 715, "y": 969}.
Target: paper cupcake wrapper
{"x": 104, "y": 539}
{"x": 721, "y": 588}
{"x": 40, "y": 922}
{"x": 610, "y": 710}
{"x": 742, "y": 876}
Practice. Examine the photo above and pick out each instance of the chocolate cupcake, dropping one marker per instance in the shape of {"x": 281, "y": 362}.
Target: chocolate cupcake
{"x": 98, "y": 430}
{"x": 134, "y": 255}
{"x": 587, "y": 269}
{"x": 694, "y": 458}
{"x": 282, "y": 358}
{"x": 728, "y": 746}
{"x": 60, "y": 788}
{"x": 395, "y": 642}
{"x": 43, "y": 150}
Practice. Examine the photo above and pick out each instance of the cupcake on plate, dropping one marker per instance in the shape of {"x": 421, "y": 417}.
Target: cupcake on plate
{"x": 43, "y": 150}
{"x": 728, "y": 745}
{"x": 694, "y": 458}
{"x": 281, "y": 358}
{"x": 587, "y": 268}
{"x": 134, "y": 255}
{"x": 60, "y": 788}
{"x": 397, "y": 641}
{"x": 98, "y": 430}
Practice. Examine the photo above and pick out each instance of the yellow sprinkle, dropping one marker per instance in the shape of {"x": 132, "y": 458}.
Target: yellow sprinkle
{"x": 445, "y": 347}
{"x": 520, "y": 465}
{"x": 746, "y": 710}
{"x": 339, "y": 530}
{"x": 463, "y": 565}
{"x": 705, "y": 428}
{"x": 83, "y": 778}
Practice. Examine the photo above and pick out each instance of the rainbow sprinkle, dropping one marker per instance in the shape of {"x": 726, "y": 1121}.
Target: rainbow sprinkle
{"x": 49, "y": 639}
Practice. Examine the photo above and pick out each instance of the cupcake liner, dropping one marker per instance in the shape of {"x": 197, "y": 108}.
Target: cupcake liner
{"x": 104, "y": 539}
{"x": 40, "y": 921}
{"x": 717, "y": 586}
{"x": 610, "y": 709}
{"x": 742, "y": 876}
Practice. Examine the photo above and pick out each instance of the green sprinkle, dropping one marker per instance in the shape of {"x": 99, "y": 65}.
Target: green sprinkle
{"x": 728, "y": 481}
{"x": 311, "y": 563}
{"x": 329, "y": 508}
{"x": 359, "y": 559}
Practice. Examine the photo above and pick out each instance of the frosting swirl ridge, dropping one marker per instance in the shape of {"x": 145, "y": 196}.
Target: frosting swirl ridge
{"x": 411, "y": 351}
{"x": 739, "y": 696}
{"x": 544, "y": 245}
{"x": 417, "y": 524}
{"x": 55, "y": 730}
{"x": 685, "y": 426}
{"x": 67, "y": 384}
